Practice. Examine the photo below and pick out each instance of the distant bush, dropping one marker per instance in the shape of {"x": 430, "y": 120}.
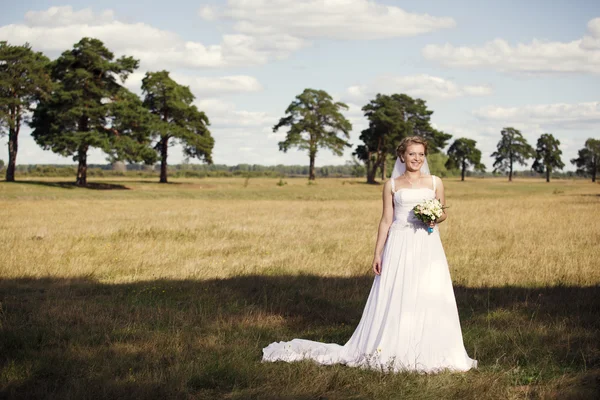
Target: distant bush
{"x": 47, "y": 170}
{"x": 350, "y": 169}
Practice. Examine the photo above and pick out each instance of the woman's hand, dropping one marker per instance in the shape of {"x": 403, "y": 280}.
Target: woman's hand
{"x": 432, "y": 224}
{"x": 377, "y": 265}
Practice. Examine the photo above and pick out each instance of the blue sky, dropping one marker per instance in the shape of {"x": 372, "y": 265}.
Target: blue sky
{"x": 480, "y": 66}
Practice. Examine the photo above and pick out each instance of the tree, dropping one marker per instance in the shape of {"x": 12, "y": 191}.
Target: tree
{"x": 89, "y": 108}
{"x": 588, "y": 162}
{"x": 386, "y": 127}
{"x": 392, "y": 118}
{"x": 23, "y": 80}
{"x": 547, "y": 155}
{"x": 437, "y": 164}
{"x": 463, "y": 154}
{"x": 132, "y": 126}
{"x": 178, "y": 119}
{"x": 314, "y": 121}
{"x": 512, "y": 147}
{"x": 1, "y": 165}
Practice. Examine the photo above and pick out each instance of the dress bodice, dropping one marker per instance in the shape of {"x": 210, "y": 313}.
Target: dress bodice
{"x": 405, "y": 199}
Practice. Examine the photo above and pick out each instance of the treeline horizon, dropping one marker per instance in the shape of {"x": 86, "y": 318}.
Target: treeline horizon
{"x": 187, "y": 170}
{"x": 79, "y": 101}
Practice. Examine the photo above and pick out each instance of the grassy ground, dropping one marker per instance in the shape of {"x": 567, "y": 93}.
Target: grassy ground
{"x": 131, "y": 289}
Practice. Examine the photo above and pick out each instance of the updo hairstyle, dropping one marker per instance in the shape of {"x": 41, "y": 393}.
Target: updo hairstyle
{"x": 407, "y": 141}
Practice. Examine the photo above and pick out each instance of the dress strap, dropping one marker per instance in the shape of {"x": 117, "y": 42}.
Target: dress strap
{"x": 433, "y": 179}
{"x": 393, "y": 185}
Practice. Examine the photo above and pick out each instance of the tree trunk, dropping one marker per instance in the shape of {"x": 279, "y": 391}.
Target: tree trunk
{"x": 464, "y": 167}
{"x": 13, "y": 146}
{"x": 311, "y": 168}
{"x": 510, "y": 171}
{"x": 594, "y": 167}
{"x": 13, "y": 143}
{"x": 369, "y": 164}
{"x": 547, "y": 174}
{"x": 82, "y": 167}
{"x": 371, "y": 170}
{"x": 376, "y": 166}
{"x": 164, "y": 148}
{"x": 383, "y": 168}
{"x": 371, "y": 175}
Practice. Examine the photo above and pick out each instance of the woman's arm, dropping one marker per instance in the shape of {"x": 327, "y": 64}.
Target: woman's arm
{"x": 387, "y": 217}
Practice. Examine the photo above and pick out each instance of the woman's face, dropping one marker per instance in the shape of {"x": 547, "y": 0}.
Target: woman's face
{"x": 414, "y": 156}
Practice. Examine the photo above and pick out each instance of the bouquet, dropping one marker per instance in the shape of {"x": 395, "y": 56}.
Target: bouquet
{"x": 428, "y": 211}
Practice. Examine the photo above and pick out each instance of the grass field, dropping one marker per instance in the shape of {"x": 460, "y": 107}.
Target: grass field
{"x": 132, "y": 289}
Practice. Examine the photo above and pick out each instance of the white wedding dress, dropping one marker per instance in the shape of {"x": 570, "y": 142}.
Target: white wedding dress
{"x": 410, "y": 321}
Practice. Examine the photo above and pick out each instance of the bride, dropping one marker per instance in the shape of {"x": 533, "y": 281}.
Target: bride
{"x": 410, "y": 321}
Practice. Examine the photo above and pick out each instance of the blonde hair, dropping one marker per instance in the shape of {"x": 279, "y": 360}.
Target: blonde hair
{"x": 407, "y": 141}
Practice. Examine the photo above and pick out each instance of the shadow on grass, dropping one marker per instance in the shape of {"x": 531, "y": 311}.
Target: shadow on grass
{"x": 72, "y": 185}
{"x": 78, "y": 338}
{"x": 155, "y": 181}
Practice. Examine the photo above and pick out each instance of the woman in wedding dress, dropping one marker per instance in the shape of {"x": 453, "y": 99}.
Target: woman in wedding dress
{"x": 410, "y": 321}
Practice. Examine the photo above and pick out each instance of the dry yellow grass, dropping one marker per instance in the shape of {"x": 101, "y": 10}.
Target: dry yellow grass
{"x": 525, "y": 233}
{"x": 131, "y": 289}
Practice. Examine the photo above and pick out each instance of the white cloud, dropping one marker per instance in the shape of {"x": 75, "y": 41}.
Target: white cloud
{"x": 58, "y": 28}
{"x": 578, "y": 56}
{"x": 242, "y": 49}
{"x": 203, "y": 86}
{"x": 423, "y": 86}
{"x": 591, "y": 41}
{"x": 223, "y": 114}
{"x": 62, "y": 16}
{"x": 582, "y": 116}
{"x": 334, "y": 19}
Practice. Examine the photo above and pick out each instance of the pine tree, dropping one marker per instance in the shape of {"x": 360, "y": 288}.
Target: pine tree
{"x": 392, "y": 118}
{"x": 512, "y": 148}
{"x": 314, "y": 121}
{"x": 84, "y": 109}
{"x": 588, "y": 162}
{"x": 178, "y": 119}
{"x": 463, "y": 154}
{"x": 547, "y": 155}
{"x": 24, "y": 79}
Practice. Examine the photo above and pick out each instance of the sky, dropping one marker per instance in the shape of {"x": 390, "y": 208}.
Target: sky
{"x": 480, "y": 65}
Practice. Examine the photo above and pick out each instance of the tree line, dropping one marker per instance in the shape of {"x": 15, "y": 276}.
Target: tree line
{"x": 351, "y": 169}
{"x": 78, "y": 102}
{"x": 194, "y": 170}
{"x": 315, "y": 121}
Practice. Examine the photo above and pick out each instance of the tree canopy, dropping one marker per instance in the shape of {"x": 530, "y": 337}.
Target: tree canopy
{"x": 24, "y": 79}
{"x": 315, "y": 121}
{"x": 463, "y": 154}
{"x": 547, "y": 155}
{"x": 512, "y": 148}
{"x": 392, "y": 118}
{"x": 176, "y": 118}
{"x": 85, "y": 108}
{"x": 588, "y": 160}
